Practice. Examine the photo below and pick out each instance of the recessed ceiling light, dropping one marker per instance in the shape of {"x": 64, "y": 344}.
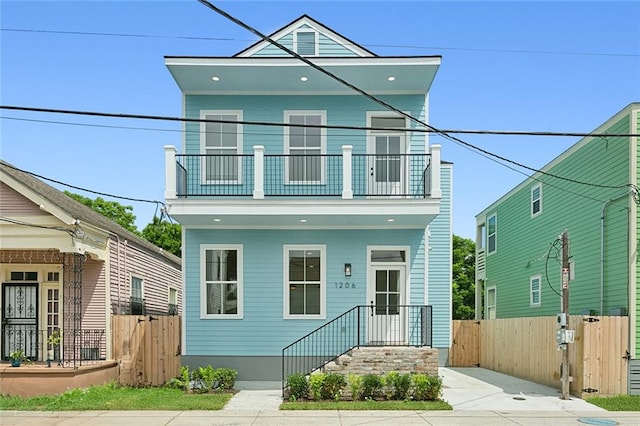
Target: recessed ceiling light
{"x": 391, "y": 220}
{"x": 303, "y": 220}
{"x": 217, "y": 219}
{"x": 215, "y": 78}
{"x": 391, "y": 78}
{"x": 303, "y": 79}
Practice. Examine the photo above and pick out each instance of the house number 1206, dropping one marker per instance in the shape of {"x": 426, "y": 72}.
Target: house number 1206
{"x": 345, "y": 285}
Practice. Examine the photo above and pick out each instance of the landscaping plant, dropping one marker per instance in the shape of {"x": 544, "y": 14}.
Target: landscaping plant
{"x": 297, "y": 386}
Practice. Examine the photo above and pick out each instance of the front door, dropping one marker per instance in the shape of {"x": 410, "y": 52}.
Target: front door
{"x": 20, "y": 319}
{"x": 387, "y": 317}
{"x": 386, "y": 175}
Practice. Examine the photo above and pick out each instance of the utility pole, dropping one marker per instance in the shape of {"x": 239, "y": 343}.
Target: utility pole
{"x": 565, "y": 377}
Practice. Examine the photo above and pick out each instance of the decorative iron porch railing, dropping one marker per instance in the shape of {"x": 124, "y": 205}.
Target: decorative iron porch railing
{"x": 343, "y": 175}
{"x": 86, "y": 346}
{"x": 363, "y": 325}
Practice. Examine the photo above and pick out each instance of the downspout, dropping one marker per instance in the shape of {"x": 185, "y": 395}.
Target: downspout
{"x": 604, "y": 207}
{"x": 118, "y": 273}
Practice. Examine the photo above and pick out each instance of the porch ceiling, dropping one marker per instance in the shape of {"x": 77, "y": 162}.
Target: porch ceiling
{"x": 305, "y": 214}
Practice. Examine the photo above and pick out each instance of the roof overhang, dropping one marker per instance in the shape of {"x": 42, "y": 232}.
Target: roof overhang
{"x": 276, "y": 75}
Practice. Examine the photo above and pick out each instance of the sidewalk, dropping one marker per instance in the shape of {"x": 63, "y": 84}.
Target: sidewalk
{"x": 478, "y": 397}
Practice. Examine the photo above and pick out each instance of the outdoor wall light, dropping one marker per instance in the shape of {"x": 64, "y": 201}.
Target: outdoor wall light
{"x": 347, "y": 269}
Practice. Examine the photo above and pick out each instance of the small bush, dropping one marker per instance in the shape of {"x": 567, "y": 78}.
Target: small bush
{"x": 206, "y": 376}
{"x": 371, "y": 386}
{"x": 426, "y": 388}
{"x": 355, "y": 385}
{"x": 182, "y": 381}
{"x": 332, "y": 386}
{"x": 316, "y": 382}
{"x": 397, "y": 385}
{"x": 224, "y": 378}
{"x": 297, "y": 386}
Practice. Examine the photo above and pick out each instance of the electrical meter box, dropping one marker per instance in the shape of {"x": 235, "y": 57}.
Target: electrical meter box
{"x": 565, "y": 336}
{"x": 562, "y": 319}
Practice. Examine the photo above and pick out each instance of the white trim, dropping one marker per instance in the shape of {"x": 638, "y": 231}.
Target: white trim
{"x": 203, "y": 287}
{"x": 278, "y": 61}
{"x": 346, "y": 92}
{"x": 531, "y": 280}
{"x": 323, "y": 279}
{"x": 406, "y": 264}
{"x": 532, "y": 201}
{"x": 405, "y": 142}
{"x": 239, "y": 144}
{"x": 323, "y": 145}
{"x": 634, "y": 117}
{"x": 183, "y": 275}
{"x": 495, "y": 302}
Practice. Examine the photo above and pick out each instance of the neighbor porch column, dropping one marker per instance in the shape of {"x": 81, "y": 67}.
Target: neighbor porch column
{"x": 258, "y": 169}
{"x": 170, "y": 172}
{"x": 347, "y": 166}
{"x": 436, "y": 191}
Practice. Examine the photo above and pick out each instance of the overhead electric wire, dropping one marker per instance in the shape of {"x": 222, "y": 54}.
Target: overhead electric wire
{"x": 478, "y": 150}
{"x": 320, "y": 42}
{"x": 283, "y": 124}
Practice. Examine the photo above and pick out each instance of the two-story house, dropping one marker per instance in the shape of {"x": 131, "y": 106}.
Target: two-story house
{"x": 302, "y": 201}
{"x": 590, "y": 191}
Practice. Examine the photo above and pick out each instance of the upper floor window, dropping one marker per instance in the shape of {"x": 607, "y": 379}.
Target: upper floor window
{"x": 173, "y": 301}
{"x": 221, "y": 288}
{"x": 221, "y": 143}
{"x": 536, "y": 200}
{"x": 137, "y": 296}
{"x": 305, "y": 146}
{"x": 305, "y": 42}
{"x": 491, "y": 233}
{"x": 305, "y": 285}
{"x": 535, "y": 291}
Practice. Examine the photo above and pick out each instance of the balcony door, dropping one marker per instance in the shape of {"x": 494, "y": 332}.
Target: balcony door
{"x": 387, "y": 162}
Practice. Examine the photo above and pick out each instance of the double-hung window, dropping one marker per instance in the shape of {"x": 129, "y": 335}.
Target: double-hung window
{"x": 536, "y": 200}
{"x": 221, "y": 288}
{"x": 491, "y": 303}
{"x": 137, "y": 298}
{"x": 221, "y": 146}
{"x": 535, "y": 299}
{"x": 491, "y": 233}
{"x": 305, "y": 284}
{"x": 305, "y": 147}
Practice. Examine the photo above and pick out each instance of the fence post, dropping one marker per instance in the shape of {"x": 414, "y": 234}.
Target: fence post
{"x": 358, "y": 326}
{"x": 258, "y": 170}
{"x": 347, "y": 160}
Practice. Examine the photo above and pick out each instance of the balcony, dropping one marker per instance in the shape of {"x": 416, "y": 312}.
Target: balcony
{"x": 242, "y": 187}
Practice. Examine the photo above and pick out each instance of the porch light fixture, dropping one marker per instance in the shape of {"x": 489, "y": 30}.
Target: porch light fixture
{"x": 217, "y": 219}
{"x": 303, "y": 79}
{"x": 391, "y": 220}
{"x": 391, "y": 78}
{"x": 215, "y": 78}
{"x": 347, "y": 269}
{"x": 303, "y": 220}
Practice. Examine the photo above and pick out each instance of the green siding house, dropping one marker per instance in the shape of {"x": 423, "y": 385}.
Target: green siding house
{"x": 590, "y": 191}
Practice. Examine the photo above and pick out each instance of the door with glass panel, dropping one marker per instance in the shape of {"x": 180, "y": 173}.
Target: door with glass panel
{"x": 386, "y": 160}
{"x": 387, "y": 322}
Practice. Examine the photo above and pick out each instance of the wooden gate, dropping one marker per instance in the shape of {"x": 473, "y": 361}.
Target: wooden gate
{"x": 147, "y": 347}
{"x": 465, "y": 350}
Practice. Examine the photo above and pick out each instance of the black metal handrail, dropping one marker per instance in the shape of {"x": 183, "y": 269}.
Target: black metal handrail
{"x": 363, "y": 325}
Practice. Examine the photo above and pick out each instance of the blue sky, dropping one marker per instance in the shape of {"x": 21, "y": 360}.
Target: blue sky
{"x": 528, "y": 66}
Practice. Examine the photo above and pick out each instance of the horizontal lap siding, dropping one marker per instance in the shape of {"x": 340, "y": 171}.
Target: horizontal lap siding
{"x": 440, "y": 264}
{"x": 263, "y": 331}
{"x": 523, "y": 242}
{"x": 94, "y": 310}
{"x": 12, "y": 203}
{"x": 635, "y": 128}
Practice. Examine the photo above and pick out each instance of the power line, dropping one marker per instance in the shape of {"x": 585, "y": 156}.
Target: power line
{"x": 368, "y": 45}
{"x": 322, "y": 126}
{"x": 487, "y": 154}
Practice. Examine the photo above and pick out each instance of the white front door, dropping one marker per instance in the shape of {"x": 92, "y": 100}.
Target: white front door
{"x": 386, "y": 175}
{"x": 387, "y": 317}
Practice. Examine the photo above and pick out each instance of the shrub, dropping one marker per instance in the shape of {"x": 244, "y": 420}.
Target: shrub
{"x": 355, "y": 385}
{"x": 332, "y": 386}
{"x": 297, "y": 386}
{"x": 182, "y": 381}
{"x": 202, "y": 379}
{"x": 371, "y": 386}
{"x": 225, "y": 378}
{"x": 426, "y": 388}
{"x": 397, "y": 385}
{"x": 316, "y": 382}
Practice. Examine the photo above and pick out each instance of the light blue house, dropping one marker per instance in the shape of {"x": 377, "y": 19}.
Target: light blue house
{"x": 338, "y": 220}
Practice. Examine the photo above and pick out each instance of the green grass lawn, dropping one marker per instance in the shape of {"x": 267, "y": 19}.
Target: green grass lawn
{"x": 366, "y": 405}
{"x": 114, "y": 397}
{"x": 616, "y": 403}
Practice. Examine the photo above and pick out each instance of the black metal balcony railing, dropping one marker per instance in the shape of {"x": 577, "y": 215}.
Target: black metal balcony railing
{"x": 363, "y": 325}
{"x": 373, "y": 175}
{"x": 84, "y": 345}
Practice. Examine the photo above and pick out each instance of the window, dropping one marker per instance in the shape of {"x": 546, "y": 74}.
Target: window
{"x": 491, "y": 303}
{"x": 221, "y": 290}
{"x": 305, "y": 42}
{"x": 173, "y": 301}
{"x": 491, "y": 234}
{"x": 222, "y": 145}
{"x": 137, "y": 299}
{"x": 536, "y": 200}
{"x": 24, "y": 276}
{"x": 304, "y": 147}
{"x": 535, "y": 291}
{"x": 304, "y": 281}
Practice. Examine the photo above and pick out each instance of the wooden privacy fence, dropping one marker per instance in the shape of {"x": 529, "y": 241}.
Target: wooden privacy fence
{"x": 147, "y": 347}
{"x": 527, "y": 348}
